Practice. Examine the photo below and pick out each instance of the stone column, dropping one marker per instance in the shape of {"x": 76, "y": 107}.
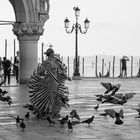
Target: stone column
{"x": 28, "y": 35}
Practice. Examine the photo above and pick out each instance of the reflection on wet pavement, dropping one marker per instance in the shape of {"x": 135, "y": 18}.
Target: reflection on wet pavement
{"x": 82, "y": 98}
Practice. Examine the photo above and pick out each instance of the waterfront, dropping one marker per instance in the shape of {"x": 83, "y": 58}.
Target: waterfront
{"x": 90, "y": 65}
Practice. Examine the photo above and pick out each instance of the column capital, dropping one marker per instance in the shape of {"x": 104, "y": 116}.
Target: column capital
{"x": 28, "y": 31}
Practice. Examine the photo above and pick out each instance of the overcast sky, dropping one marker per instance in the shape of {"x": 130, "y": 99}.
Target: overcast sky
{"x": 114, "y": 27}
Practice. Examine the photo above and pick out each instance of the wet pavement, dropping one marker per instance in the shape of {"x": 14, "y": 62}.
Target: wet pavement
{"x": 82, "y": 98}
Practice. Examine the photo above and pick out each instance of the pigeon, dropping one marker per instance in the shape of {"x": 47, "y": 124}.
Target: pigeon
{"x": 110, "y": 87}
{"x": 89, "y": 120}
{"x": 74, "y": 122}
{"x": 112, "y": 113}
{"x": 0, "y": 90}
{"x": 63, "y": 120}
{"x": 74, "y": 114}
{"x": 17, "y": 118}
{"x": 70, "y": 126}
{"x": 100, "y": 97}
{"x": 129, "y": 95}
{"x": 64, "y": 100}
{"x": 104, "y": 114}
{"x": 29, "y": 107}
{"x": 114, "y": 100}
{"x": 6, "y": 99}
{"x": 2, "y": 82}
{"x": 10, "y": 102}
{"x": 125, "y": 96}
{"x": 138, "y": 110}
{"x": 118, "y": 121}
{"x": 22, "y": 125}
{"x": 50, "y": 120}
{"x": 115, "y": 89}
{"x": 4, "y": 92}
{"x": 96, "y": 107}
{"x": 27, "y": 115}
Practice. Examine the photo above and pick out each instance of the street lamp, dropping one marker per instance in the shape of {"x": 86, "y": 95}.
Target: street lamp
{"x": 76, "y": 27}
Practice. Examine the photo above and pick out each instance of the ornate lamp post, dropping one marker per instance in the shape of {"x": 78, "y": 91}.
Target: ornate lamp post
{"x": 76, "y": 27}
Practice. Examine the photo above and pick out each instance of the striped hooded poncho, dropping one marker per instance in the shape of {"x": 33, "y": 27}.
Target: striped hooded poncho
{"x": 48, "y": 93}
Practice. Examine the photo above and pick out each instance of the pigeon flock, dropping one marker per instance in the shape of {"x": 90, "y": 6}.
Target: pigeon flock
{"x": 5, "y": 98}
{"x": 109, "y": 96}
{"x": 72, "y": 119}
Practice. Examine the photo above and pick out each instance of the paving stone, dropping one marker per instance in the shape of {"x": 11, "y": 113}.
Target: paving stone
{"x": 82, "y": 98}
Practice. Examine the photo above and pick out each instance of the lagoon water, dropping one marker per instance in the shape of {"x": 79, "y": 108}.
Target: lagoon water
{"x": 90, "y": 65}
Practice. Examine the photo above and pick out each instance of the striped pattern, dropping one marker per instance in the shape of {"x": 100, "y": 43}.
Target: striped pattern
{"x": 48, "y": 93}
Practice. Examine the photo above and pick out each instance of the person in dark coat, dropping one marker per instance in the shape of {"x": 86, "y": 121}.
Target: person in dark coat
{"x": 124, "y": 66}
{"x": 16, "y": 65}
{"x": 6, "y": 68}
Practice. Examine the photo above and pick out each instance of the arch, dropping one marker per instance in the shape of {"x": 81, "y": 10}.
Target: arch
{"x": 24, "y": 10}
{"x": 19, "y": 10}
{"x": 30, "y": 11}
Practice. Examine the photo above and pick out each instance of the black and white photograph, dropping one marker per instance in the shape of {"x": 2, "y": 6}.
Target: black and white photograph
{"x": 70, "y": 70}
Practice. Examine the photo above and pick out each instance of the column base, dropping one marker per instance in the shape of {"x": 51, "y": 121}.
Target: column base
{"x": 76, "y": 78}
{"x": 24, "y": 81}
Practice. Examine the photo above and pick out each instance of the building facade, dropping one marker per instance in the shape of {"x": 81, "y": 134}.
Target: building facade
{"x": 31, "y": 16}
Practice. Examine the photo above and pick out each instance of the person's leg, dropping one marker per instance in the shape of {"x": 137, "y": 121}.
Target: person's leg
{"x": 125, "y": 73}
{"x": 5, "y": 76}
{"x": 8, "y": 74}
{"x": 122, "y": 73}
{"x": 16, "y": 72}
{"x": 17, "y": 75}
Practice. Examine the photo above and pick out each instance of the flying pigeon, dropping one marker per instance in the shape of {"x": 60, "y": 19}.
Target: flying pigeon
{"x": 110, "y": 87}
{"x": 104, "y": 114}
{"x": 138, "y": 110}
{"x": 112, "y": 113}
{"x": 118, "y": 116}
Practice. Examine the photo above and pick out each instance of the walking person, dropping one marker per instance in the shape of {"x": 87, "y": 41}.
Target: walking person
{"x": 48, "y": 93}
{"x": 124, "y": 66}
{"x": 7, "y": 69}
{"x": 0, "y": 67}
{"x": 16, "y": 66}
{"x": 1, "y": 73}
